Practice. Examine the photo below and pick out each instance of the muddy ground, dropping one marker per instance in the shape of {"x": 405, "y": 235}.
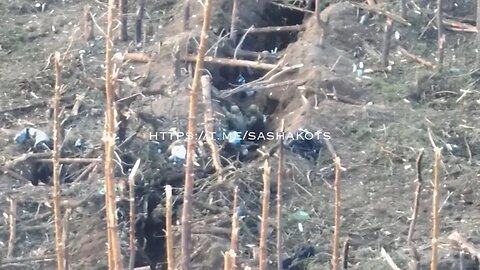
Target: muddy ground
{"x": 377, "y": 122}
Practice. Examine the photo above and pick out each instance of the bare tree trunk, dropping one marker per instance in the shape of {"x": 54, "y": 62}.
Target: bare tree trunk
{"x": 387, "y": 37}
{"x": 265, "y": 210}
{"x": 114, "y": 254}
{"x": 280, "y": 202}
{"x": 168, "y": 228}
{"x": 138, "y": 23}
{"x": 441, "y": 35}
{"x": 233, "y": 27}
{"x": 186, "y": 15}
{"x": 234, "y": 236}
{"x": 123, "y": 20}
{"x": 403, "y": 8}
{"x": 435, "y": 209}
{"x": 192, "y": 129}
{"x": 60, "y": 249}
{"x": 336, "y": 231}
{"x": 478, "y": 33}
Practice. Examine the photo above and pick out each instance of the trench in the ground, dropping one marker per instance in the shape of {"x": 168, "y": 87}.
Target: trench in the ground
{"x": 150, "y": 231}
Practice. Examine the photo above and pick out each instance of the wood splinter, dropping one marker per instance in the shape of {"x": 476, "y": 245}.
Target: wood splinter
{"x": 415, "y": 58}
{"x": 209, "y": 124}
{"x": 12, "y": 220}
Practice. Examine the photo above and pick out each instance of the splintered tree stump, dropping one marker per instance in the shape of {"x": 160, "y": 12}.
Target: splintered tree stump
{"x": 123, "y": 20}
{"x": 387, "y": 37}
{"x": 88, "y": 24}
{"x": 139, "y": 22}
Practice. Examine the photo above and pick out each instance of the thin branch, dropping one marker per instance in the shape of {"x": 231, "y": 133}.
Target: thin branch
{"x": 240, "y": 43}
{"x": 389, "y": 259}
{"x": 416, "y": 201}
{"x": 435, "y": 209}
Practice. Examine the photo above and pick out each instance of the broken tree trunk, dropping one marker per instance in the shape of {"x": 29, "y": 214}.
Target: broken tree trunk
{"x": 387, "y": 37}
{"x": 441, "y": 35}
{"x": 88, "y": 24}
{"x": 60, "y": 249}
{"x": 478, "y": 33}
{"x": 123, "y": 20}
{"x": 403, "y": 8}
{"x": 233, "y": 27}
{"x": 186, "y": 15}
{"x": 138, "y": 22}
{"x": 210, "y": 124}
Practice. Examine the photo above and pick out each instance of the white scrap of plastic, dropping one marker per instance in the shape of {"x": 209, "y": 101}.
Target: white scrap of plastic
{"x": 300, "y": 227}
{"x": 178, "y": 151}
{"x": 397, "y": 35}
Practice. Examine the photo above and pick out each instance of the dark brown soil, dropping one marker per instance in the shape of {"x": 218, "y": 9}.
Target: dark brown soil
{"x": 377, "y": 124}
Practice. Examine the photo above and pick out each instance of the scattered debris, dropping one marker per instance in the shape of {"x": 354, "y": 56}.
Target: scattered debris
{"x": 304, "y": 143}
